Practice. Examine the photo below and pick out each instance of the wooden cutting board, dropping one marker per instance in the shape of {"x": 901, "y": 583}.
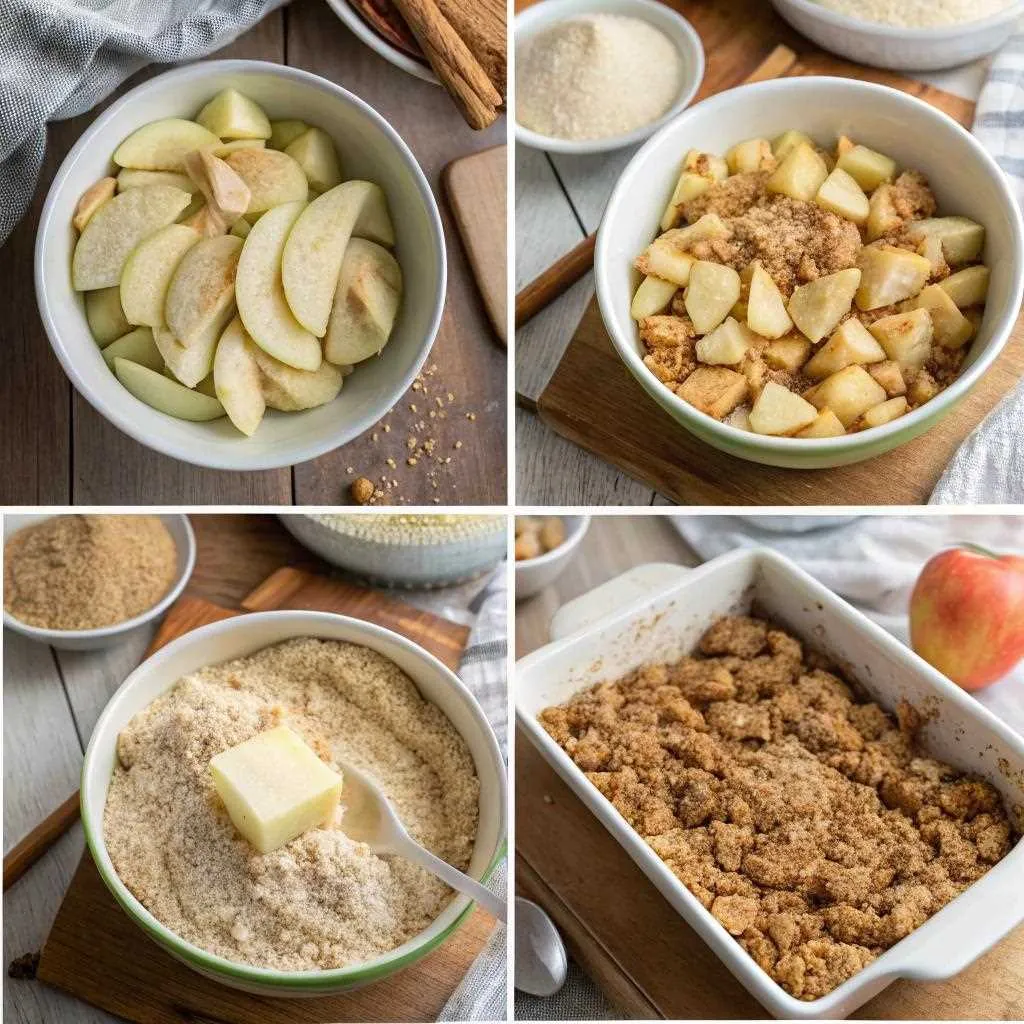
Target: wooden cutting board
{"x": 97, "y": 954}
{"x": 646, "y": 958}
{"x": 593, "y": 400}
{"x": 477, "y": 193}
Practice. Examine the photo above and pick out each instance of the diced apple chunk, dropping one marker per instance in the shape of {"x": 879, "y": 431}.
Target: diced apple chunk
{"x": 750, "y": 156}
{"x": 848, "y": 393}
{"x": 952, "y": 328}
{"x": 967, "y": 287}
{"x": 708, "y": 165}
{"x": 931, "y": 250}
{"x": 889, "y": 275}
{"x": 91, "y": 200}
{"x": 826, "y": 424}
{"x": 882, "y": 215}
{"x": 867, "y": 167}
{"x": 890, "y": 376}
{"x": 726, "y": 345}
{"x": 817, "y": 307}
{"x": 841, "y": 195}
{"x": 275, "y": 788}
{"x": 800, "y": 174}
{"x": 652, "y": 297}
{"x": 714, "y": 390}
{"x": 784, "y": 144}
{"x": 689, "y": 186}
{"x": 710, "y": 225}
{"x": 850, "y": 344}
{"x": 923, "y": 388}
{"x": 962, "y": 239}
{"x": 230, "y": 115}
{"x": 664, "y": 259}
{"x": 843, "y": 145}
{"x": 711, "y": 293}
{"x": 906, "y": 337}
{"x": 780, "y": 412}
{"x": 789, "y": 353}
{"x": 766, "y": 308}
{"x": 884, "y": 412}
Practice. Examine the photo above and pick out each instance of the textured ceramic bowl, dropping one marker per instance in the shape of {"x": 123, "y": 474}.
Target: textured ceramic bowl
{"x": 966, "y": 181}
{"x": 107, "y": 636}
{"x": 906, "y": 49}
{"x": 369, "y": 148}
{"x": 534, "y": 574}
{"x": 235, "y": 638}
{"x": 539, "y": 17}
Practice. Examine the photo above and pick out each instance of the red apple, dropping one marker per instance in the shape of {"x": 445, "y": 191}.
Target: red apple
{"x": 967, "y": 615}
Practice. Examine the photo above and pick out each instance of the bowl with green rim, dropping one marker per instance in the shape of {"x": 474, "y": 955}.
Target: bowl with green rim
{"x": 237, "y": 637}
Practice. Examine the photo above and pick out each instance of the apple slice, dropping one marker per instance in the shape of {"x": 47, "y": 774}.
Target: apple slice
{"x": 374, "y": 221}
{"x": 260, "y": 295}
{"x": 137, "y": 346}
{"x": 227, "y": 148}
{"x": 162, "y": 145}
{"x": 236, "y": 378}
{"x": 313, "y": 252}
{"x": 128, "y": 178}
{"x": 201, "y": 295}
{"x": 231, "y": 115}
{"x": 365, "y": 305}
{"x": 91, "y": 200}
{"x": 166, "y": 395}
{"x": 226, "y": 194}
{"x": 117, "y": 227}
{"x": 290, "y": 390}
{"x": 284, "y": 133}
{"x": 107, "y": 319}
{"x": 148, "y": 271}
{"x": 273, "y": 178}
{"x": 189, "y": 365}
{"x": 314, "y": 152}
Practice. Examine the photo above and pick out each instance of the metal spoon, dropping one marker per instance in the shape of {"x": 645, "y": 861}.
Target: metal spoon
{"x": 541, "y": 963}
{"x": 369, "y": 818}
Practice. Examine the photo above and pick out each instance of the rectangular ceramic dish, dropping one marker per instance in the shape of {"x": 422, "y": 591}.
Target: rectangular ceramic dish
{"x": 666, "y": 624}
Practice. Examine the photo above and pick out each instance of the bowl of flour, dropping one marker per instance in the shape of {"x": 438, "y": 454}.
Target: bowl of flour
{"x": 599, "y": 75}
{"x": 906, "y": 35}
{"x": 321, "y": 914}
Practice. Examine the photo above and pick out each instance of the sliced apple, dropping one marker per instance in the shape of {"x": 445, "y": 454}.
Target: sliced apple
{"x": 189, "y": 365}
{"x": 284, "y": 133}
{"x": 91, "y": 200}
{"x": 291, "y": 390}
{"x": 365, "y": 305}
{"x": 259, "y": 292}
{"x": 314, "y": 152}
{"x": 884, "y": 412}
{"x": 226, "y": 194}
{"x": 148, "y": 271}
{"x": 166, "y": 395}
{"x": 230, "y": 115}
{"x": 374, "y": 220}
{"x": 137, "y": 346}
{"x": 967, "y": 287}
{"x": 162, "y": 145}
{"x": 952, "y": 329}
{"x": 201, "y": 295}
{"x": 227, "y": 148}
{"x": 236, "y": 378}
{"x": 117, "y": 227}
{"x": 128, "y": 178}
{"x": 107, "y": 319}
{"x": 273, "y": 178}
{"x": 817, "y": 307}
{"x": 313, "y": 252}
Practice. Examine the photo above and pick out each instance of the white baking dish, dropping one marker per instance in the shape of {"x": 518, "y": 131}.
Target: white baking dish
{"x": 668, "y": 623}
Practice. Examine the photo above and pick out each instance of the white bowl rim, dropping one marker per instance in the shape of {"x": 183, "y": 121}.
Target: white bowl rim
{"x": 580, "y": 528}
{"x": 376, "y": 42}
{"x": 930, "y": 34}
{"x": 287, "y": 454}
{"x": 314, "y": 981}
{"x": 554, "y": 10}
{"x": 765, "y": 444}
{"x": 109, "y": 632}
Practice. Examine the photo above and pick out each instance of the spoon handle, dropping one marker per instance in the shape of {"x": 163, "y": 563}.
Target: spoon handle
{"x": 494, "y": 905}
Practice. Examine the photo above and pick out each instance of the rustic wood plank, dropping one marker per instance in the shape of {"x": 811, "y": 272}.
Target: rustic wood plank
{"x": 470, "y": 363}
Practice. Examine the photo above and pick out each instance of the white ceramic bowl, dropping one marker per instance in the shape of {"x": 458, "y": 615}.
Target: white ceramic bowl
{"x": 369, "y": 148}
{"x": 966, "y": 181}
{"x": 667, "y": 623}
{"x": 534, "y": 574}
{"x": 542, "y": 16}
{"x": 891, "y": 46}
{"x": 365, "y": 32}
{"x": 235, "y": 638}
{"x": 107, "y": 636}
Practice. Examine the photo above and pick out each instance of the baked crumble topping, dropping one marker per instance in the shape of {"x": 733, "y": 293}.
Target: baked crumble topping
{"x": 810, "y": 822}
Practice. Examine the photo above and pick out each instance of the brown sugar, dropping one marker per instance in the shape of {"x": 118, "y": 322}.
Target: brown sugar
{"x": 806, "y": 819}
{"x": 87, "y": 571}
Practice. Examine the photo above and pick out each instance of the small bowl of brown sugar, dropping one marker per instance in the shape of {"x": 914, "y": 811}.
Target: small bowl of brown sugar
{"x": 82, "y": 582}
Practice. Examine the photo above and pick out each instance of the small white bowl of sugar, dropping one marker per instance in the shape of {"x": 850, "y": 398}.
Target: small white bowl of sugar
{"x": 598, "y": 75}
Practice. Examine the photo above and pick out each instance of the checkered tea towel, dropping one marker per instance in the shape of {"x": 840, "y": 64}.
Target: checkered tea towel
{"x": 59, "y": 58}
{"x": 482, "y": 993}
{"x": 989, "y": 466}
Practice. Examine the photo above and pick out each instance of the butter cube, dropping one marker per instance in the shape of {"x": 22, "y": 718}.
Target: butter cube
{"x": 275, "y": 787}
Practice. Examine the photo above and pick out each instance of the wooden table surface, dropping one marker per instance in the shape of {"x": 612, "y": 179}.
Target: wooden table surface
{"x": 51, "y": 702}
{"x": 56, "y": 450}
{"x": 559, "y": 200}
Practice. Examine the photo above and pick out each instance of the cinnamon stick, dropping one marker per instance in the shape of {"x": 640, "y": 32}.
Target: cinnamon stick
{"x": 40, "y": 839}
{"x": 482, "y": 24}
{"x": 558, "y": 278}
{"x": 452, "y": 60}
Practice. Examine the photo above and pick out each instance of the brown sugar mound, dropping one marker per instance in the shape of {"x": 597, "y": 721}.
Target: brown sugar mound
{"x": 806, "y": 819}
{"x": 86, "y": 572}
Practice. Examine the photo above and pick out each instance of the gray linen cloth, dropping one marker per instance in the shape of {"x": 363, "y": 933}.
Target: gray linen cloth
{"x": 59, "y": 59}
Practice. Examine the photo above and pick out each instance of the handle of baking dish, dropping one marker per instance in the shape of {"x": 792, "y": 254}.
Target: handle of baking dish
{"x": 608, "y": 598}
